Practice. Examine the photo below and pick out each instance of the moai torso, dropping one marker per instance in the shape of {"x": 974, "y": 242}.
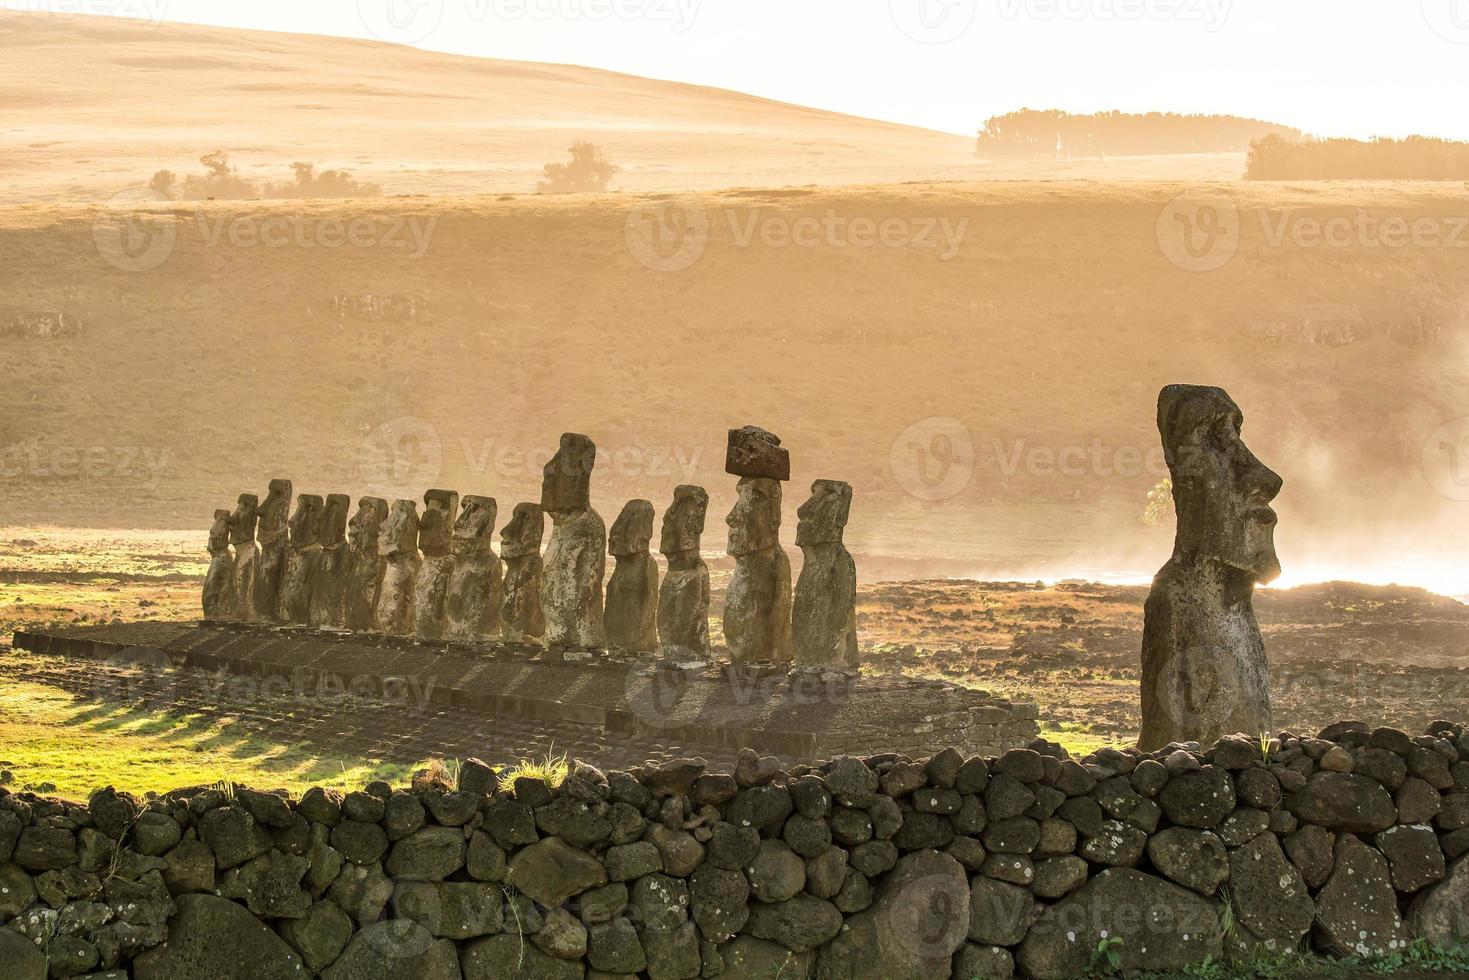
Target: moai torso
{"x": 522, "y": 620}
{"x": 328, "y": 592}
{"x": 1204, "y": 672}
{"x": 683, "y": 599}
{"x": 576, "y": 561}
{"x": 631, "y": 614}
{"x": 247, "y": 558}
{"x": 273, "y": 536}
{"x": 824, "y": 615}
{"x": 757, "y": 607}
{"x": 398, "y": 545}
{"x": 436, "y": 562}
{"x": 472, "y": 609}
{"x": 365, "y": 565}
{"x": 219, "y": 581}
{"x": 303, "y": 556}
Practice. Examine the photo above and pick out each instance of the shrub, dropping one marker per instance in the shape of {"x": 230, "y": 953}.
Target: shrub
{"x": 588, "y": 172}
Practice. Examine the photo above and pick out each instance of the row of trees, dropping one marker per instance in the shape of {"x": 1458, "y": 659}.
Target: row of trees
{"x": 222, "y": 182}
{"x": 1052, "y": 133}
{"x": 1414, "y": 158}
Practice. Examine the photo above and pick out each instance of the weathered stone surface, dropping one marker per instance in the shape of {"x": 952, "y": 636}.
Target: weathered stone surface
{"x": 757, "y": 605}
{"x": 1202, "y": 798}
{"x": 436, "y": 563}
{"x": 303, "y": 557}
{"x": 1270, "y": 898}
{"x": 824, "y": 614}
{"x": 1357, "y": 911}
{"x": 753, "y": 452}
{"x": 398, "y": 547}
{"x": 499, "y": 957}
{"x": 270, "y": 885}
{"x": 631, "y": 616}
{"x": 683, "y": 598}
{"x": 613, "y": 947}
{"x": 320, "y": 935}
{"x": 1413, "y": 854}
{"x": 21, "y": 960}
{"x": 552, "y": 871}
{"x": 999, "y": 913}
{"x": 576, "y": 560}
{"x": 217, "y": 938}
{"x": 1161, "y": 927}
{"x": 272, "y": 537}
{"x": 1441, "y": 914}
{"x": 1204, "y": 673}
{"x": 476, "y": 589}
{"x": 800, "y": 924}
{"x": 329, "y": 587}
{"x": 246, "y": 570}
{"x": 975, "y": 962}
{"x": 395, "y": 949}
{"x": 673, "y": 954}
{"x": 430, "y": 854}
{"x": 365, "y": 565}
{"x": 756, "y": 959}
{"x": 218, "y": 599}
{"x": 522, "y": 619}
{"x": 1343, "y": 801}
{"x": 1196, "y": 859}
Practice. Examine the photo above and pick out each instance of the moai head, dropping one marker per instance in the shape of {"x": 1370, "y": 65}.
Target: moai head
{"x": 275, "y": 511}
{"x": 566, "y": 484}
{"x": 683, "y": 521}
{"x": 824, "y": 514}
{"x": 366, "y": 524}
{"x": 1221, "y": 492}
{"x": 522, "y": 536}
{"x": 306, "y": 521}
{"x": 633, "y": 530}
{"x": 244, "y": 519}
{"x": 219, "y": 533}
{"x": 754, "y": 523}
{"x": 399, "y": 537}
{"x": 334, "y": 519}
{"x": 473, "y": 532}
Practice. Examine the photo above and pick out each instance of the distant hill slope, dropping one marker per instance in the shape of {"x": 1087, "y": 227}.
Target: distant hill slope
{"x": 267, "y": 344}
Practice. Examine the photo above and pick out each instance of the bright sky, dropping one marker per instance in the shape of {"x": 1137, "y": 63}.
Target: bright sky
{"x": 1332, "y": 67}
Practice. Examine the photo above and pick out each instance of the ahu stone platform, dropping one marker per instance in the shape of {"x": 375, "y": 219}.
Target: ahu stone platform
{"x": 708, "y": 707}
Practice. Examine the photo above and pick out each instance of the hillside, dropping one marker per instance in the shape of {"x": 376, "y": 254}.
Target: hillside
{"x": 1049, "y": 328}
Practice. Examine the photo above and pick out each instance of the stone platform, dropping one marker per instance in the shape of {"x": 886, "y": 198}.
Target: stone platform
{"x": 713, "y": 709}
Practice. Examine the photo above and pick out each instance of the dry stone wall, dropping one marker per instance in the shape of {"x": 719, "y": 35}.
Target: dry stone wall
{"x": 882, "y": 867}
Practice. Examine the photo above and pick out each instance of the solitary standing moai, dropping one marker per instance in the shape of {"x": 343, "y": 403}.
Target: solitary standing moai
{"x": 1204, "y": 673}
{"x": 521, "y": 617}
{"x": 365, "y": 564}
{"x": 824, "y": 617}
{"x": 303, "y": 556}
{"x": 435, "y": 544}
{"x": 274, "y": 538}
{"x": 576, "y": 561}
{"x": 247, "y": 557}
{"x": 631, "y": 615}
{"x": 757, "y": 605}
{"x": 219, "y": 581}
{"x": 472, "y": 608}
{"x": 329, "y": 590}
{"x": 683, "y": 599}
{"x": 398, "y": 545}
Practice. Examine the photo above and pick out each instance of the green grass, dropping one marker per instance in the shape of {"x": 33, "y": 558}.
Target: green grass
{"x": 1076, "y": 738}
{"x": 53, "y": 743}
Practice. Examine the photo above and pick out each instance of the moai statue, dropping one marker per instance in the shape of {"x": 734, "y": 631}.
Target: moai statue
{"x": 472, "y": 608}
{"x": 435, "y": 545}
{"x": 576, "y": 561}
{"x": 247, "y": 557}
{"x": 397, "y": 543}
{"x": 683, "y": 600}
{"x": 824, "y": 616}
{"x": 274, "y": 538}
{"x": 631, "y": 615}
{"x": 522, "y": 619}
{"x": 329, "y": 590}
{"x": 365, "y": 564}
{"x": 757, "y": 605}
{"x": 1204, "y": 673}
{"x": 303, "y": 556}
{"x": 219, "y": 581}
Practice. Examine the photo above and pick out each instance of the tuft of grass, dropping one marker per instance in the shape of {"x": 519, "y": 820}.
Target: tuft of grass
{"x": 553, "y": 770}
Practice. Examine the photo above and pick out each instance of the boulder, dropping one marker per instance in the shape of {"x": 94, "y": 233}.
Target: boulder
{"x": 800, "y": 924}
{"x": 320, "y": 935}
{"x": 756, "y": 959}
{"x": 503, "y": 956}
{"x": 216, "y": 938}
{"x": 551, "y": 871}
{"x": 395, "y": 949}
{"x": 1270, "y": 898}
{"x": 1413, "y": 854}
{"x": 999, "y": 912}
{"x": 1202, "y": 798}
{"x": 1195, "y": 859}
{"x": 1343, "y": 801}
{"x": 1441, "y": 914}
{"x": 21, "y": 960}
{"x": 430, "y": 854}
{"x": 1357, "y": 910}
